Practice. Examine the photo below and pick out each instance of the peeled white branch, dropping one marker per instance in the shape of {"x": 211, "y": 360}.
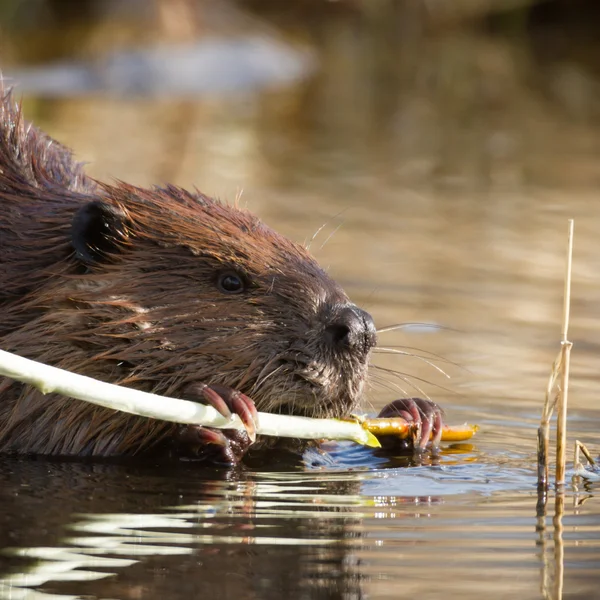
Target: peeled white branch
{"x": 50, "y": 379}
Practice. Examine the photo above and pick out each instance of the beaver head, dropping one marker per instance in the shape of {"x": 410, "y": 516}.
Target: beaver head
{"x": 182, "y": 288}
{"x": 156, "y": 289}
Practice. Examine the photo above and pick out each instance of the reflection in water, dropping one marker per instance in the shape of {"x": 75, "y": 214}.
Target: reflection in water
{"x": 228, "y": 514}
{"x": 298, "y": 533}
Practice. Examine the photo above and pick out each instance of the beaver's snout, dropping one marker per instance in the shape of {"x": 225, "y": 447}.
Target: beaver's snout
{"x": 351, "y": 329}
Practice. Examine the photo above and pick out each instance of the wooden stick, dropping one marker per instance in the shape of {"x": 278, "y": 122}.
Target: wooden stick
{"x": 50, "y": 379}
{"x": 359, "y": 429}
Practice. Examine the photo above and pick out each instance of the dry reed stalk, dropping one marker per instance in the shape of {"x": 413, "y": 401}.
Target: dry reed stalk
{"x": 560, "y": 368}
{"x": 566, "y": 345}
{"x": 580, "y": 448}
{"x": 544, "y": 428}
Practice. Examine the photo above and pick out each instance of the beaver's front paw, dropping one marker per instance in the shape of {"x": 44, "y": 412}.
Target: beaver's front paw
{"x": 427, "y": 417}
{"x": 218, "y": 446}
{"x": 212, "y": 446}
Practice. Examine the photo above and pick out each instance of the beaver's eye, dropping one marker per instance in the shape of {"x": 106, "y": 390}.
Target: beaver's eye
{"x": 230, "y": 282}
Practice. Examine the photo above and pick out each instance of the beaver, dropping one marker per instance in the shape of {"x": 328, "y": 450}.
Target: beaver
{"x": 167, "y": 291}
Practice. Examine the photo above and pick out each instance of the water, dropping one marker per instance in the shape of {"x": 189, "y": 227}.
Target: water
{"x": 444, "y": 185}
{"x": 459, "y": 529}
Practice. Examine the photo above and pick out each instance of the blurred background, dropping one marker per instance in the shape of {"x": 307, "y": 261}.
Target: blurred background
{"x": 433, "y": 149}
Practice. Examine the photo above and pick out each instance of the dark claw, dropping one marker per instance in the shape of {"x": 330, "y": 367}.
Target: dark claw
{"x": 427, "y": 417}
{"x": 438, "y": 425}
{"x": 426, "y": 427}
{"x": 215, "y": 400}
{"x": 240, "y": 405}
{"x": 241, "y": 408}
{"x": 195, "y": 435}
{"x": 226, "y": 401}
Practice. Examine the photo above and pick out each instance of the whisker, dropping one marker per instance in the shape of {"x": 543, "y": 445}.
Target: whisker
{"x": 391, "y": 386}
{"x": 316, "y": 233}
{"x": 366, "y": 407}
{"x": 259, "y": 382}
{"x": 420, "y": 391}
{"x": 331, "y": 235}
{"x": 294, "y": 395}
{"x": 294, "y": 399}
{"x": 407, "y": 378}
{"x": 425, "y": 353}
{"x": 406, "y": 325}
{"x": 264, "y": 373}
{"x": 417, "y": 356}
{"x": 404, "y": 377}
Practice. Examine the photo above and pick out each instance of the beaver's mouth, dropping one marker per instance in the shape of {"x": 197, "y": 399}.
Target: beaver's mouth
{"x": 298, "y": 384}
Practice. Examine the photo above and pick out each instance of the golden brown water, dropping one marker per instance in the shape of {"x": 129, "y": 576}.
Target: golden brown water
{"x": 433, "y": 173}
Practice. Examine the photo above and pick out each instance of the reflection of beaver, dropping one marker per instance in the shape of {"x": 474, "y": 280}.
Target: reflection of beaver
{"x": 166, "y": 291}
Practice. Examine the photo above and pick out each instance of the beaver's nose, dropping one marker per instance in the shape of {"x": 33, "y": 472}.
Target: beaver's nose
{"x": 351, "y": 328}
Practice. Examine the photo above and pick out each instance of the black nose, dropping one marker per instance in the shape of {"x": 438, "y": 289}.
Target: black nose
{"x": 351, "y": 329}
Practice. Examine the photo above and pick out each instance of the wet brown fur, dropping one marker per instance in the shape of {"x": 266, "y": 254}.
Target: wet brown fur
{"x": 149, "y": 315}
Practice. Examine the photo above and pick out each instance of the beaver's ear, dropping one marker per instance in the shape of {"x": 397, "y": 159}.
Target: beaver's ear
{"x": 96, "y": 230}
